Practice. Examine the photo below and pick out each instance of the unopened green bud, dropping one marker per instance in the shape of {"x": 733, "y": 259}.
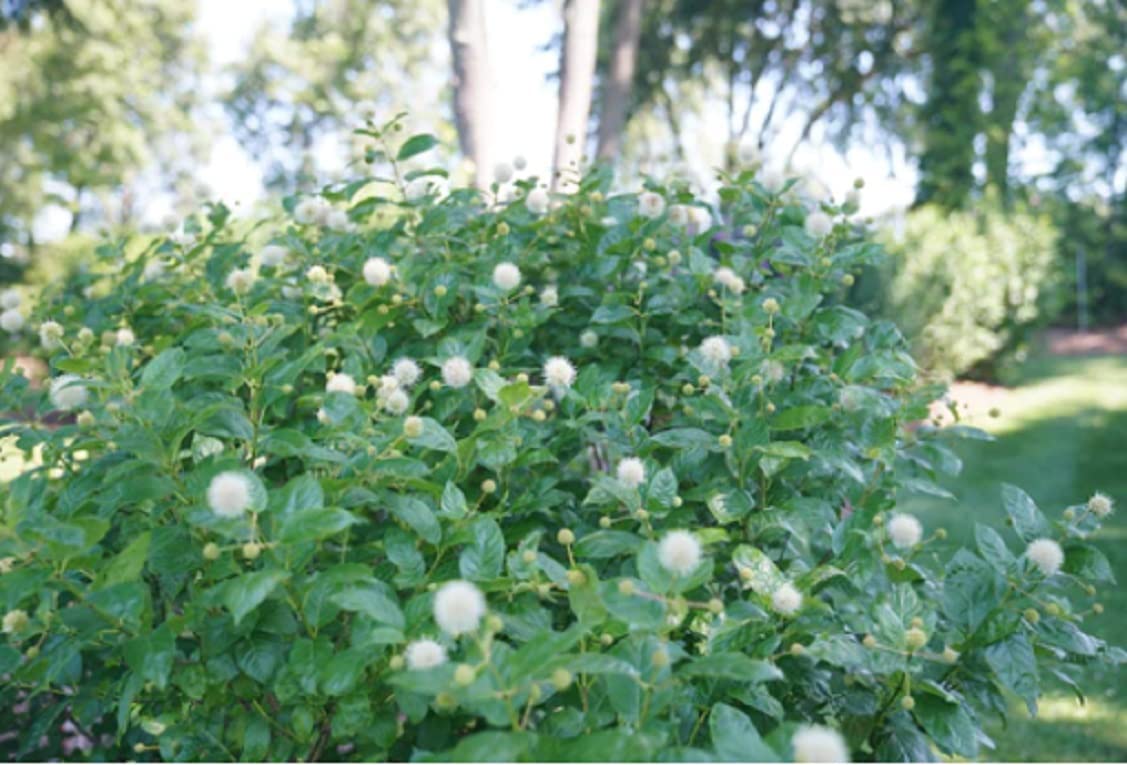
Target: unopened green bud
{"x": 211, "y": 551}
{"x": 565, "y": 537}
{"x": 915, "y": 638}
{"x": 561, "y": 679}
{"x": 463, "y": 675}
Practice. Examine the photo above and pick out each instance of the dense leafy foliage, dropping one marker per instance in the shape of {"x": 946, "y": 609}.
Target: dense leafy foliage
{"x": 669, "y": 461}
{"x": 969, "y": 289}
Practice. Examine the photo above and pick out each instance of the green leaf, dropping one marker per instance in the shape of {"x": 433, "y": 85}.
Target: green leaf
{"x": 164, "y": 370}
{"x": 1023, "y": 513}
{"x": 731, "y": 666}
{"x": 342, "y": 672}
{"x": 375, "y": 603}
{"x": 489, "y": 746}
{"x": 1086, "y": 562}
{"x": 663, "y": 487}
{"x": 453, "y": 502}
{"x": 611, "y": 314}
{"x": 948, "y": 724}
{"x": 415, "y": 513}
{"x": 799, "y": 417}
{"x": 151, "y": 655}
{"x": 684, "y": 438}
{"x": 484, "y": 556}
{"x": 788, "y": 450}
{"x": 608, "y": 544}
{"x": 992, "y": 547}
{"x": 734, "y": 737}
{"x": 127, "y": 565}
{"x": 256, "y": 739}
{"x": 765, "y": 576}
{"x": 314, "y": 524}
{"x": 415, "y": 145}
{"x": 436, "y": 437}
{"x": 1013, "y": 662}
{"x": 245, "y": 593}
{"x": 531, "y": 660}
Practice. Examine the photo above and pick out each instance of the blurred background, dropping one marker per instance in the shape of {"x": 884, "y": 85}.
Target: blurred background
{"x": 991, "y": 136}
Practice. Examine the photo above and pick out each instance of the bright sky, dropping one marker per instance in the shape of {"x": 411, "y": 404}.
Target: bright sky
{"x": 526, "y": 98}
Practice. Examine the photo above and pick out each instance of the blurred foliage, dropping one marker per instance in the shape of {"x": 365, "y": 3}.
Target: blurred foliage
{"x": 96, "y": 109}
{"x": 304, "y": 85}
{"x": 968, "y": 288}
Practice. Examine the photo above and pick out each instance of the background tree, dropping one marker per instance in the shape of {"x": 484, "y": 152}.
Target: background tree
{"x": 296, "y": 96}
{"x": 578, "y": 54}
{"x": 618, "y": 81}
{"x": 473, "y": 85}
{"x": 98, "y": 105}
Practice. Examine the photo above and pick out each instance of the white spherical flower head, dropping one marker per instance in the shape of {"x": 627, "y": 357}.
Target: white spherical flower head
{"x": 397, "y": 402}
{"x": 818, "y": 224}
{"x": 341, "y": 383}
{"x": 502, "y": 172}
{"x": 1100, "y": 505}
{"x": 153, "y": 270}
{"x": 458, "y": 608}
{"x": 406, "y": 372}
{"x": 377, "y": 272}
{"x": 240, "y": 280}
{"x": 11, "y": 320}
{"x": 506, "y": 276}
{"x": 817, "y": 743}
{"x": 729, "y": 279}
{"x": 10, "y": 298}
{"x": 679, "y": 553}
{"x": 457, "y": 372}
{"x": 310, "y": 210}
{"x": 716, "y": 351}
{"x": 631, "y": 472}
{"x": 520, "y": 163}
{"x": 905, "y": 531}
{"x": 273, "y": 255}
{"x": 589, "y": 338}
{"x": 67, "y": 392}
{"x": 51, "y": 335}
{"x": 650, "y": 204}
{"x": 124, "y": 337}
{"x": 1046, "y": 555}
{"x": 425, "y": 654}
{"x": 228, "y": 494}
{"x": 786, "y": 599}
{"x": 772, "y": 179}
{"x": 388, "y": 384}
{"x": 337, "y": 219}
{"x": 537, "y": 201}
{"x": 549, "y": 297}
{"x": 422, "y": 187}
{"x": 773, "y": 371}
{"x": 558, "y": 372}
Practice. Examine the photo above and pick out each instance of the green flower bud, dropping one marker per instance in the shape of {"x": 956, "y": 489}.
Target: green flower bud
{"x": 565, "y": 537}
{"x": 561, "y": 679}
{"x": 463, "y": 675}
{"x": 915, "y": 638}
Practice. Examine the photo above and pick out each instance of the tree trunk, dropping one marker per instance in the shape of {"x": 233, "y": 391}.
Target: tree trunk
{"x": 951, "y": 116}
{"x": 577, "y": 79}
{"x": 473, "y": 89}
{"x": 620, "y": 78}
{"x": 1011, "y": 64}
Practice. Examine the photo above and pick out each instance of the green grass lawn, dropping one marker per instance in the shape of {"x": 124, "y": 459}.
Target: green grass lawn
{"x": 1061, "y": 435}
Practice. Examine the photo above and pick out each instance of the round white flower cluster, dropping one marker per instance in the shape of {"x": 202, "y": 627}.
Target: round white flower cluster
{"x": 228, "y": 494}
{"x": 406, "y": 371}
{"x": 124, "y": 337}
{"x": 273, "y": 256}
{"x": 458, "y": 608}
{"x": 679, "y": 552}
{"x": 716, "y": 351}
{"x": 818, "y": 224}
{"x": 51, "y": 335}
{"x": 691, "y": 215}
{"x": 1046, "y": 555}
{"x": 240, "y": 280}
{"x": 1100, "y": 505}
{"x": 537, "y": 201}
{"x": 457, "y": 372}
{"x": 550, "y": 296}
{"x": 506, "y": 276}
{"x": 11, "y": 320}
{"x": 67, "y": 392}
{"x": 423, "y": 187}
{"x": 786, "y": 599}
{"x": 377, "y": 271}
{"x": 817, "y": 743}
{"x": 559, "y": 372}
{"x": 340, "y": 383}
{"x": 905, "y": 531}
{"x": 425, "y": 654}
{"x": 588, "y": 338}
{"x": 312, "y": 210}
{"x": 650, "y": 204}
{"x": 729, "y": 279}
{"x": 631, "y": 472}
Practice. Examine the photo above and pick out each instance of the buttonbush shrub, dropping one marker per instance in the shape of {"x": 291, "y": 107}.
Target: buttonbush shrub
{"x": 464, "y": 475}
